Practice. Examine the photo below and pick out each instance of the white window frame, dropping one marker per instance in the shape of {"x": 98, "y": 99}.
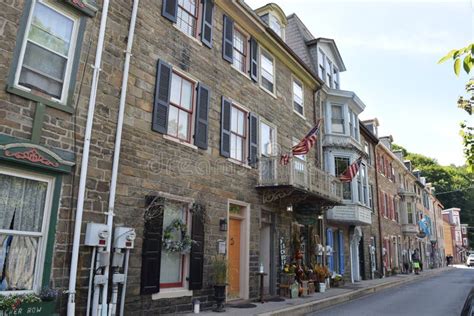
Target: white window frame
{"x": 43, "y": 235}
{"x": 321, "y": 64}
{"x": 343, "y": 118}
{"x": 299, "y": 83}
{"x": 274, "y": 145}
{"x": 72, "y": 49}
{"x": 246, "y": 36}
{"x": 329, "y": 75}
{"x": 336, "y": 79}
{"x": 245, "y": 148}
{"x": 274, "y": 20}
{"x": 263, "y": 51}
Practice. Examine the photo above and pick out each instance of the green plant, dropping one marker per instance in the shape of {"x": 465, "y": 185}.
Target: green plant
{"x": 219, "y": 270}
{"x": 321, "y": 273}
{"x": 10, "y": 303}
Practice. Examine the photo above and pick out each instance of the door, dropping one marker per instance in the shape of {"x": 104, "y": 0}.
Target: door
{"x": 361, "y": 259}
{"x": 265, "y": 255}
{"x": 234, "y": 259}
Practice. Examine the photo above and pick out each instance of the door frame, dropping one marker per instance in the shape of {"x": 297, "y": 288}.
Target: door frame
{"x": 244, "y": 245}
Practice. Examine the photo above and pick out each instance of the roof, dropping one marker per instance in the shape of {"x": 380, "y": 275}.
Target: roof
{"x": 333, "y": 47}
{"x": 367, "y": 132}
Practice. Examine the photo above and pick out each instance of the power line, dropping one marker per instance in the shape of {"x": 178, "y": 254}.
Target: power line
{"x": 459, "y": 190}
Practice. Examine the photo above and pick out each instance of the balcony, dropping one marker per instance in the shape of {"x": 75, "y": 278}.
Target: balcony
{"x": 297, "y": 181}
{"x": 335, "y": 140}
{"x": 410, "y": 229}
{"x": 353, "y": 214}
{"x": 405, "y": 192}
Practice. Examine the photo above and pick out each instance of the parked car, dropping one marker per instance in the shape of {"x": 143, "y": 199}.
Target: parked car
{"x": 470, "y": 260}
{"x": 468, "y": 308}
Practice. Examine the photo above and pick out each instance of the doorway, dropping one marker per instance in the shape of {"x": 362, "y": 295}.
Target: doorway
{"x": 234, "y": 258}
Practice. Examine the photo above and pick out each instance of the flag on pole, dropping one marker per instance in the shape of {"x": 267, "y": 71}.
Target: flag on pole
{"x": 351, "y": 171}
{"x": 304, "y": 146}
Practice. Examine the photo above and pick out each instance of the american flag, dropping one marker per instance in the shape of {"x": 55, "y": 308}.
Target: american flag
{"x": 303, "y": 147}
{"x": 351, "y": 171}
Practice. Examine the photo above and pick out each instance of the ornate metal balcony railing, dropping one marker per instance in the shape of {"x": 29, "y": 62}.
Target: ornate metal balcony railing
{"x": 299, "y": 174}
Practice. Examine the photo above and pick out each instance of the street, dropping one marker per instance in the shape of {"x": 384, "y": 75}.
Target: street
{"x": 441, "y": 295}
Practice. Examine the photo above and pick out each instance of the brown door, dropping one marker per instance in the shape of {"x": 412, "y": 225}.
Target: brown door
{"x": 234, "y": 258}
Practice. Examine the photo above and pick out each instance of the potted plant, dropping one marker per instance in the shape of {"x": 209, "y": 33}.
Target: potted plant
{"x": 320, "y": 274}
{"x": 219, "y": 269}
{"x": 287, "y": 276}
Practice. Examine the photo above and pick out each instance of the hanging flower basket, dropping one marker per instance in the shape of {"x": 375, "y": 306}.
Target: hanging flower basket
{"x": 176, "y": 238}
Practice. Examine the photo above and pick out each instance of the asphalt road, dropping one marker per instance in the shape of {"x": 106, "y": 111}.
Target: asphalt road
{"x": 441, "y": 295}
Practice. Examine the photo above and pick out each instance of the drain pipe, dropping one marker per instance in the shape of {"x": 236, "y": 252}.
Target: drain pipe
{"x": 118, "y": 142}
{"x": 71, "y": 304}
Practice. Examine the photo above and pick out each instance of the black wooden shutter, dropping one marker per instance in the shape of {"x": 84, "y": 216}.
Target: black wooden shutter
{"x": 253, "y": 59}
{"x": 225, "y": 127}
{"x": 202, "y": 113}
{"x": 206, "y": 29}
{"x": 228, "y": 39}
{"x": 196, "y": 262}
{"x": 162, "y": 97}
{"x": 170, "y": 10}
{"x": 151, "y": 251}
{"x": 253, "y": 139}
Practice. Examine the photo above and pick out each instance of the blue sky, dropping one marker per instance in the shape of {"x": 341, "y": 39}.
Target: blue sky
{"x": 391, "y": 49}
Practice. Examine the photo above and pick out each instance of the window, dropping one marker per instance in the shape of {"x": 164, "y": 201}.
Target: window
{"x": 371, "y": 196}
{"x": 341, "y": 164}
{"x": 329, "y": 73}
{"x": 336, "y": 83}
{"x": 267, "y": 140}
{"x": 47, "y": 53}
{"x": 275, "y": 25}
{"x": 395, "y": 210}
{"x": 240, "y": 51}
{"x": 25, "y": 201}
{"x": 181, "y": 108}
{"x": 238, "y": 138}
{"x": 321, "y": 64}
{"x": 353, "y": 125}
{"x": 187, "y": 18}
{"x": 298, "y": 97}
{"x": 382, "y": 165}
{"x": 410, "y": 212}
{"x": 173, "y": 263}
{"x": 385, "y": 205}
{"x": 464, "y": 231}
{"x": 267, "y": 79}
{"x": 337, "y": 119}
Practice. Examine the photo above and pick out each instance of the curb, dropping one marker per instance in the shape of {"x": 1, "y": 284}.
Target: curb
{"x": 309, "y": 307}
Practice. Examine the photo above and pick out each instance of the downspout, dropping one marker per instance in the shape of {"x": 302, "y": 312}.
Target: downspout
{"x": 118, "y": 141}
{"x": 71, "y": 305}
{"x": 317, "y": 99}
{"x": 378, "y": 210}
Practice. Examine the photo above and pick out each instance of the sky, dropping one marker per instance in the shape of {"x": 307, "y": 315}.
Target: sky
{"x": 390, "y": 49}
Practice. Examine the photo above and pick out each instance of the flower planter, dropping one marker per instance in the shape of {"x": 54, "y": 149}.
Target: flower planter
{"x": 219, "y": 294}
{"x": 38, "y": 309}
{"x": 305, "y": 288}
{"x": 322, "y": 287}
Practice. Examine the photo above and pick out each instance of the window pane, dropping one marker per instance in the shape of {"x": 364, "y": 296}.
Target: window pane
{"x": 18, "y": 262}
{"x": 22, "y": 203}
{"x": 275, "y": 25}
{"x": 239, "y": 149}
{"x": 267, "y": 71}
{"x": 241, "y": 123}
{"x": 233, "y": 146}
{"x": 187, "y": 95}
{"x": 173, "y": 121}
{"x": 171, "y": 263}
{"x": 186, "y": 19}
{"x": 43, "y": 61}
{"x": 175, "y": 94}
{"x": 51, "y": 29}
{"x": 234, "y": 121}
{"x": 183, "y": 124}
{"x": 266, "y": 139}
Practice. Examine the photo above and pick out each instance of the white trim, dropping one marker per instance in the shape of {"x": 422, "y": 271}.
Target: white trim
{"x": 197, "y": 41}
{"x": 179, "y": 141}
{"x": 275, "y": 130}
{"x": 261, "y": 52}
{"x": 299, "y": 83}
{"x": 171, "y": 293}
{"x": 43, "y": 238}
{"x": 244, "y": 246}
{"x": 72, "y": 48}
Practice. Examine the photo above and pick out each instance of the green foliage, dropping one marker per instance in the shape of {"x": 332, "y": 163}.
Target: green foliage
{"x": 10, "y": 303}
{"x": 219, "y": 270}
{"x": 462, "y": 57}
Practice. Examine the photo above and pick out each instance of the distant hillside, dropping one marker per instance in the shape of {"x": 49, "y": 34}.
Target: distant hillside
{"x": 454, "y": 185}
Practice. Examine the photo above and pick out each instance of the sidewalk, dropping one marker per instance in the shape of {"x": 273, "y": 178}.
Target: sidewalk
{"x": 333, "y": 296}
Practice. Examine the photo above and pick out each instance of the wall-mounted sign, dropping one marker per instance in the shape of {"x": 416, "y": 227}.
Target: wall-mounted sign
{"x": 88, "y": 7}
{"x": 283, "y": 256}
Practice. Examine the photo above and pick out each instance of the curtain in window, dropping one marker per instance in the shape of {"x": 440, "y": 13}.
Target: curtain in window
{"x": 20, "y": 263}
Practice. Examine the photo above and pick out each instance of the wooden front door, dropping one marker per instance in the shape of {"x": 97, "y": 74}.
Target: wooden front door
{"x": 234, "y": 258}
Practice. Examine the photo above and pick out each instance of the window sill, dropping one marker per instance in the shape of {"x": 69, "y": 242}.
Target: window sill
{"x": 28, "y": 95}
{"x": 240, "y": 163}
{"x": 269, "y": 92}
{"x": 240, "y": 72}
{"x": 170, "y": 138}
{"x": 188, "y": 36}
{"x": 171, "y": 293}
{"x": 299, "y": 114}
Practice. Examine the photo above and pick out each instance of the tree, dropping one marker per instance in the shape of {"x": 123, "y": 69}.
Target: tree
{"x": 465, "y": 56}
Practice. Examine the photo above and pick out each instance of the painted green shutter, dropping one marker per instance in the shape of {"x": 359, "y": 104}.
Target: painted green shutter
{"x": 228, "y": 39}
{"x": 341, "y": 252}
{"x": 196, "y": 262}
{"x": 253, "y": 139}
{"x": 206, "y": 28}
{"x": 225, "y": 127}
{"x": 151, "y": 250}
{"x": 253, "y": 59}
{"x": 170, "y": 10}
{"x": 162, "y": 97}
{"x": 202, "y": 114}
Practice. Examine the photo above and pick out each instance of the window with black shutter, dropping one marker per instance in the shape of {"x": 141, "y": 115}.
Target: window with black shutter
{"x": 151, "y": 250}
{"x": 162, "y": 97}
{"x": 253, "y": 59}
{"x": 253, "y": 139}
{"x": 196, "y": 262}
{"x": 225, "y": 127}
{"x": 170, "y": 10}
{"x": 228, "y": 38}
{"x": 206, "y": 28}
{"x": 202, "y": 113}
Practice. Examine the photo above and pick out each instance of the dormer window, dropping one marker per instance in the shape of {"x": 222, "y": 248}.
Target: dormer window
{"x": 275, "y": 25}
{"x": 335, "y": 77}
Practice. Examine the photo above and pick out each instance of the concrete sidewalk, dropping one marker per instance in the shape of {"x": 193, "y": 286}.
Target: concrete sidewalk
{"x": 333, "y": 296}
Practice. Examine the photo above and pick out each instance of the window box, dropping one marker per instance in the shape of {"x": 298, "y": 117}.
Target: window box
{"x": 45, "y": 308}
